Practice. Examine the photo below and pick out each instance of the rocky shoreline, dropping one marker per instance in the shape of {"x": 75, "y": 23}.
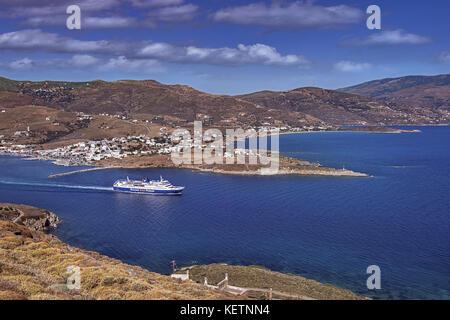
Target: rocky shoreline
{"x": 286, "y": 166}
{"x": 312, "y": 171}
{"x": 33, "y": 218}
{"x": 34, "y": 264}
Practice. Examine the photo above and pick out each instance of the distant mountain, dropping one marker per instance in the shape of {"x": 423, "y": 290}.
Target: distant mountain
{"x": 422, "y": 91}
{"x": 340, "y": 108}
{"x": 179, "y": 104}
{"x": 176, "y": 102}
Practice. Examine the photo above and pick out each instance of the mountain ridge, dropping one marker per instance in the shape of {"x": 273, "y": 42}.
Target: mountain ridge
{"x": 342, "y": 108}
{"x": 181, "y": 104}
{"x": 424, "y": 91}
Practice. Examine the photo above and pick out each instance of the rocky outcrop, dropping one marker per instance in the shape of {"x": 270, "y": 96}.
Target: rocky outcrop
{"x": 34, "y": 218}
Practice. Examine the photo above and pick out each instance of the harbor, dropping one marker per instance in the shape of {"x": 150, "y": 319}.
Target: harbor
{"x": 322, "y": 228}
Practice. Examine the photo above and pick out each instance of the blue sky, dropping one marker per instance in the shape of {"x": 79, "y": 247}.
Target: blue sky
{"x": 228, "y": 47}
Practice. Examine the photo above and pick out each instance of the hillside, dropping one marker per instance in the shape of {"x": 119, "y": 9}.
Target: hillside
{"x": 33, "y": 265}
{"x": 424, "y": 91}
{"x": 261, "y": 278}
{"x": 340, "y": 108}
{"x": 144, "y": 99}
{"x": 36, "y": 124}
{"x": 178, "y": 105}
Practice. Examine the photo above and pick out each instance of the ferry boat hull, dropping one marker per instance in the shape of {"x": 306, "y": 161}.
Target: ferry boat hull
{"x": 149, "y": 191}
{"x": 146, "y": 186}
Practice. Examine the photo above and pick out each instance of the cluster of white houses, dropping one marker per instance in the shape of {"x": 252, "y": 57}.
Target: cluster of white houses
{"x": 116, "y": 148}
{"x": 87, "y": 152}
{"x": 123, "y": 147}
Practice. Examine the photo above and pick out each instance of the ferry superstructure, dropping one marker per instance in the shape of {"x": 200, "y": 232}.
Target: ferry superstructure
{"x": 146, "y": 186}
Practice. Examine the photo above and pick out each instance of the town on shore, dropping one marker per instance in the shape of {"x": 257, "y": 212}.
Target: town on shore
{"x": 153, "y": 149}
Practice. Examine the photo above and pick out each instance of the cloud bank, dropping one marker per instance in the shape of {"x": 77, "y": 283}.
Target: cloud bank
{"x": 259, "y": 54}
{"x": 391, "y": 37}
{"x": 350, "y": 66}
{"x": 444, "y": 57}
{"x": 86, "y": 62}
{"x": 296, "y": 15}
{"x": 104, "y": 14}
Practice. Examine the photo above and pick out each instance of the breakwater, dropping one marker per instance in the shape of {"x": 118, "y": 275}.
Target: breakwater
{"x": 78, "y": 171}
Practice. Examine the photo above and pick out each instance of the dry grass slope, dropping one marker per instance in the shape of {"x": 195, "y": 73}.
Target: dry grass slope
{"x": 33, "y": 266}
{"x": 259, "y": 277}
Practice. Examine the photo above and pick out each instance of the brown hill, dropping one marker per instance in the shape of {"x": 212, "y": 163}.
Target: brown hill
{"x": 340, "y": 108}
{"x": 424, "y": 91}
{"x": 37, "y": 124}
{"x": 179, "y": 103}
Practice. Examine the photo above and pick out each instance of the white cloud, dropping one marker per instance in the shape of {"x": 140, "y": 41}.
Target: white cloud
{"x": 157, "y": 50}
{"x": 50, "y": 8}
{"x": 252, "y": 54}
{"x": 350, "y": 66}
{"x": 179, "y": 13}
{"x": 109, "y": 22}
{"x": 444, "y": 57}
{"x": 26, "y": 3}
{"x": 124, "y": 64}
{"x": 155, "y": 3}
{"x": 37, "y": 21}
{"x": 79, "y": 61}
{"x": 35, "y": 39}
{"x": 270, "y": 56}
{"x": 90, "y": 4}
{"x": 296, "y": 15}
{"x": 87, "y": 62}
{"x": 83, "y": 60}
{"x": 87, "y": 22}
{"x": 392, "y": 37}
{"x": 53, "y": 13}
{"x": 259, "y": 54}
{"x": 22, "y": 64}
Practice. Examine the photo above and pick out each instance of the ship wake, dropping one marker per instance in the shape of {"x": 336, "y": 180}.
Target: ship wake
{"x": 52, "y": 185}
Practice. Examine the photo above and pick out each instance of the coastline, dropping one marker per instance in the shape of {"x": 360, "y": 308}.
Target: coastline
{"x": 260, "y": 282}
{"x": 391, "y": 131}
{"x": 330, "y": 172}
{"x": 396, "y": 176}
{"x": 299, "y": 170}
{"x": 35, "y": 267}
{"x": 305, "y": 170}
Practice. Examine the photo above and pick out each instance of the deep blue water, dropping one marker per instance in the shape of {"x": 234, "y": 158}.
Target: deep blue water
{"x": 328, "y": 229}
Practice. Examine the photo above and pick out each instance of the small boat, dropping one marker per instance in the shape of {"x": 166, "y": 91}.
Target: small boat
{"x": 146, "y": 186}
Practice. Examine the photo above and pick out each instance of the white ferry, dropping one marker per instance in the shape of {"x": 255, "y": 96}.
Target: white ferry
{"x": 146, "y": 186}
